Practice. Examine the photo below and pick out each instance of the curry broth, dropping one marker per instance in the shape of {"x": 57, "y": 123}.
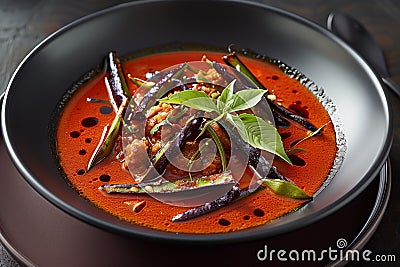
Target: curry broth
{"x": 81, "y": 124}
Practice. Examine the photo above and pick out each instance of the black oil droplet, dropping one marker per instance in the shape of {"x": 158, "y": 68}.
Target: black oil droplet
{"x": 105, "y": 110}
{"x": 105, "y": 178}
{"x": 89, "y": 122}
{"x": 274, "y": 77}
{"x": 224, "y": 222}
{"x": 259, "y": 212}
{"x": 88, "y": 140}
{"x": 74, "y": 134}
{"x": 82, "y": 152}
{"x": 81, "y": 172}
{"x": 246, "y": 217}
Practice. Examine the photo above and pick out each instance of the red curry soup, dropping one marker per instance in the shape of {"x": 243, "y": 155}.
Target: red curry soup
{"x": 100, "y": 172}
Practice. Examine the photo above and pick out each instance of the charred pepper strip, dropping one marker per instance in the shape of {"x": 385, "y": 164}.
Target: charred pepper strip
{"x": 279, "y": 187}
{"x": 233, "y": 60}
{"x": 230, "y": 196}
{"x": 290, "y": 115}
{"x": 117, "y": 79}
{"x": 156, "y": 92}
{"x": 119, "y": 97}
{"x": 279, "y": 121}
{"x": 161, "y": 186}
{"x": 106, "y": 143}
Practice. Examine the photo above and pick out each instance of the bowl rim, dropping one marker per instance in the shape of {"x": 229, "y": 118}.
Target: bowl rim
{"x": 236, "y": 236}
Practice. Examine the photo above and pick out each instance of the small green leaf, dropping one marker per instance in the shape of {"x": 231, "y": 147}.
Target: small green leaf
{"x": 225, "y": 96}
{"x": 260, "y": 134}
{"x": 193, "y": 99}
{"x": 285, "y": 188}
{"x": 245, "y": 99}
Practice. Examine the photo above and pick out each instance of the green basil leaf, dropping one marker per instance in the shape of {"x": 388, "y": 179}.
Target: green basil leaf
{"x": 245, "y": 99}
{"x": 260, "y": 134}
{"x": 285, "y": 188}
{"x": 193, "y": 99}
{"x": 239, "y": 125}
{"x": 225, "y": 96}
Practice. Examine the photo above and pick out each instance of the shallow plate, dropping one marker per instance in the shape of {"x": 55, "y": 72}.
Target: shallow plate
{"x": 56, "y": 63}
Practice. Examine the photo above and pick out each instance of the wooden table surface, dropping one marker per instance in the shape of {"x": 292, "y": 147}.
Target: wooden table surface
{"x": 24, "y": 23}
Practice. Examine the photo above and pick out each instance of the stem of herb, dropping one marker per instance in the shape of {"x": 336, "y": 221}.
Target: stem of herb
{"x": 220, "y": 148}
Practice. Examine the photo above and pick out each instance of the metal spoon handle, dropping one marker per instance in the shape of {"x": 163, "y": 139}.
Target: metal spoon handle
{"x": 392, "y": 85}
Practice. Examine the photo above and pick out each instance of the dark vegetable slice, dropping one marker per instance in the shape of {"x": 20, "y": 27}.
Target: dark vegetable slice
{"x": 117, "y": 79}
{"x": 107, "y": 141}
{"x": 230, "y": 196}
{"x": 156, "y": 92}
{"x": 291, "y": 116}
{"x": 181, "y": 185}
{"x": 119, "y": 97}
{"x": 280, "y": 187}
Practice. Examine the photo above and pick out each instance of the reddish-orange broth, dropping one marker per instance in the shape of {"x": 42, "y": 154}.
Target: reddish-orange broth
{"x": 77, "y": 138}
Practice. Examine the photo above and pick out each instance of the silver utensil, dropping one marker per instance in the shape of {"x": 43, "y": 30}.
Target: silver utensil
{"x": 357, "y": 36}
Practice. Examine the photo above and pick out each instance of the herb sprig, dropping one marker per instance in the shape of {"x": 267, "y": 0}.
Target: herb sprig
{"x": 252, "y": 129}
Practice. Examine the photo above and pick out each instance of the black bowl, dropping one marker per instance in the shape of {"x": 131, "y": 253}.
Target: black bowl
{"x": 47, "y": 72}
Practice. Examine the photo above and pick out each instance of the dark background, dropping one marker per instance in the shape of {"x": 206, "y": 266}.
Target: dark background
{"x": 24, "y": 23}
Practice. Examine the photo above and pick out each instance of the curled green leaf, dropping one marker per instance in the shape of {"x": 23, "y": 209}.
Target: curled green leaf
{"x": 260, "y": 134}
{"x": 245, "y": 99}
{"x": 224, "y": 97}
{"x": 285, "y": 188}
